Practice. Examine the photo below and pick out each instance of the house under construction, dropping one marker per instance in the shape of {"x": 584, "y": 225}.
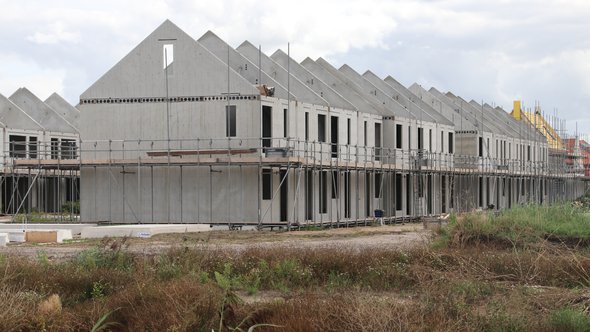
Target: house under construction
{"x": 35, "y": 130}
{"x": 195, "y": 131}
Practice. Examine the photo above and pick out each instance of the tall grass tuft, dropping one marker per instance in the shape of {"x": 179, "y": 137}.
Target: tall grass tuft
{"x": 566, "y": 223}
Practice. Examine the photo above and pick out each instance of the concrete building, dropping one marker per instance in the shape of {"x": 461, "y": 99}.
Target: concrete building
{"x": 33, "y": 131}
{"x": 195, "y": 131}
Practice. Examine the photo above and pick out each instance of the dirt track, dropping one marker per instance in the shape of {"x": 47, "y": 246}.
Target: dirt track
{"x": 393, "y": 236}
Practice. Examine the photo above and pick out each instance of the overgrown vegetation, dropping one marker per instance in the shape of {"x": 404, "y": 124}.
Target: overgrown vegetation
{"x": 527, "y": 269}
{"x": 521, "y": 226}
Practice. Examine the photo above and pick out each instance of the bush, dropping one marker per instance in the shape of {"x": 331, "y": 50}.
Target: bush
{"x": 71, "y": 207}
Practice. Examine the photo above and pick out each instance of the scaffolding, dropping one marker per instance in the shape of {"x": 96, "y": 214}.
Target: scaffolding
{"x": 430, "y": 183}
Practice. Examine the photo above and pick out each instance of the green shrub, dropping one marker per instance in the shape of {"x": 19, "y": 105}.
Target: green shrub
{"x": 569, "y": 319}
{"x": 110, "y": 255}
{"x": 71, "y": 207}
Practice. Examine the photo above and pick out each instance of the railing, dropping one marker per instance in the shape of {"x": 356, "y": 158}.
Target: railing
{"x": 278, "y": 147}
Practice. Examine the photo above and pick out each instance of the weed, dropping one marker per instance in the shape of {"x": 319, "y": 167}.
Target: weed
{"x": 102, "y": 324}
{"x": 569, "y": 319}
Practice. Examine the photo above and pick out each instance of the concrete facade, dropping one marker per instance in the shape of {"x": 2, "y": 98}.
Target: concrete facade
{"x": 195, "y": 131}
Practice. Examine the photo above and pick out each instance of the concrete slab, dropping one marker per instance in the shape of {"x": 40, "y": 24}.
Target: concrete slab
{"x": 16, "y": 236}
{"x": 3, "y": 239}
{"x": 75, "y": 229}
{"x": 21, "y": 235}
{"x": 142, "y": 231}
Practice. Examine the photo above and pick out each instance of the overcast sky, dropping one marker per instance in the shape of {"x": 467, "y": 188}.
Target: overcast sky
{"x": 535, "y": 50}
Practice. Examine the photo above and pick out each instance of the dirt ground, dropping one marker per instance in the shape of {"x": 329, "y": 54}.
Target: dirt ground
{"x": 395, "y": 236}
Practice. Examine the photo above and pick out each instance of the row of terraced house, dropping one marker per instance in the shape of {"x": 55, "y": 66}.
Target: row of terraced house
{"x": 196, "y": 131}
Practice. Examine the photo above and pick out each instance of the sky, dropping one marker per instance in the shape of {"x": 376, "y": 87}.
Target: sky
{"x": 537, "y": 51}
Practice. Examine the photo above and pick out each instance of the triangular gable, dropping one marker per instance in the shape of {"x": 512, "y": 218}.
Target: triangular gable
{"x": 11, "y": 116}
{"x": 41, "y": 112}
{"x": 242, "y": 65}
{"x": 193, "y": 71}
{"x": 337, "y": 84}
{"x": 480, "y": 116}
{"x": 445, "y": 110}
{"x": 466, "y": 114}
{"x": 427, "y": 109}
{"x": 372, "y": 91}
{"x": 280, "y": 74}
{"x": 334, "y": 98}
{"x": 65, "y": 109}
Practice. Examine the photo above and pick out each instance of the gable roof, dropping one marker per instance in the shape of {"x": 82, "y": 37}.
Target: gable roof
{"x": 427, "y": 109}
{"x": 465, "y": 116}
{"x": 339, "y": 85}
{"x": 11, "y": 116}
{"x": 280, "y": 74}
{"x": 449, "y": 113}
{"x": 242, "y": 65}
{"x": 371, "y": 91}
{"x": 61, "y": 106}
{"x": 320, "y": 87}
{"x": 194, "y": 70}
{"x": 41, "y": 112}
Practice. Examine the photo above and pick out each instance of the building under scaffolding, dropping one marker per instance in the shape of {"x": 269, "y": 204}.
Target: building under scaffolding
{"x": 195, "y": 131}
{"x": 37, "y": 130}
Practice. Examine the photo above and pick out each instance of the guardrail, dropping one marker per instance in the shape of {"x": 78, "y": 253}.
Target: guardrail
{"x": 276, "y": 147}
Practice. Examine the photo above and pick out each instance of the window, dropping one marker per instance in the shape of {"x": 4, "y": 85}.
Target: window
{"x": 230, "y": 120}
{"x": 266, "y": 126}
{"x": 32, "y": 147}
{"x": 409, "y": 138}
{"x": 377, "y": 185}
{"x": 398, "y": 136}
{"x": 68, "y": 149}
{"x": 18, "y": 146}
{"x": 365, "y": 134}
{"x": 307, "y": 126}
{"x": 167, "y": 55}
{"x": 334, "y": 184}
{"x": 285, "y": 123}
{"x": 348, "y": 131}
{"x": 480, "y": 148}
{"x": 54, "y": 148}
{"x": 420, "y": 138}
{"x": 480, "y": 187}
{"x": 442, "y": 141}
{"x": 323, "y": 191}
{"x": 266, "y": 183}
{"x": 430, "y": 140}
{"x": 398, "y": 191}
{"x": 451, "y": 143}
{"x": 321, "y": 128}
{"x": 496, "y": 149}
{"x": 377, "y": 141}
{"x": 528, "y": 153}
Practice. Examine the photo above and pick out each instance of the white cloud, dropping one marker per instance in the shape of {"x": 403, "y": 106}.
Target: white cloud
{"x": 53, "y": 34}
{"x": 482, "y": 50}
{"x": 41, "y": 81}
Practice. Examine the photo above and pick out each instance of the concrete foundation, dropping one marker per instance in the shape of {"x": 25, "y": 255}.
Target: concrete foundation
{"x": 141, "y": 231}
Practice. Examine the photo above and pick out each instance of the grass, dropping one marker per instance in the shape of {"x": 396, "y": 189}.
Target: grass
{"x": 522, "y": 225}
{"x": 486, "y": 273}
